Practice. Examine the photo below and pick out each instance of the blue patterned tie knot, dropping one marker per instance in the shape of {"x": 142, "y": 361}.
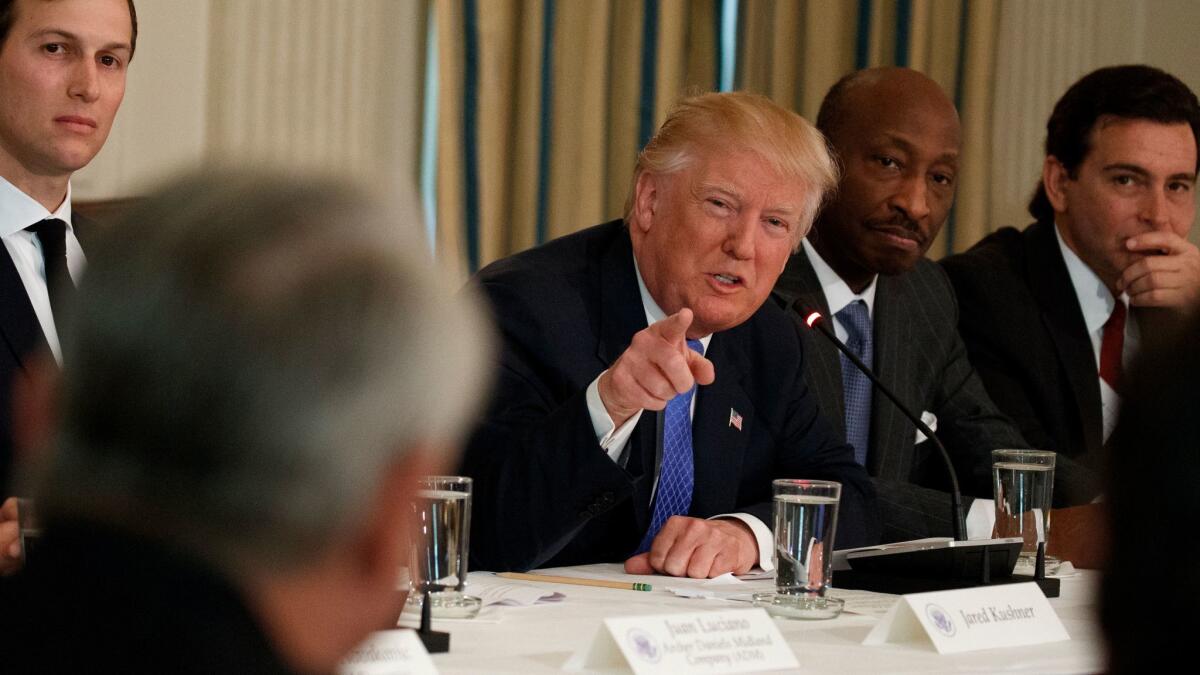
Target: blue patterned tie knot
{"x": 676, "y": 474}
{"x": 856, "y": 386}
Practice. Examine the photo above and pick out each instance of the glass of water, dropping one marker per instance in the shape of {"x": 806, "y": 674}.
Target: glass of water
{"x": 1023, "y": 484}
{"x": 441, "y": 528}
{"x": 805, "y": 524}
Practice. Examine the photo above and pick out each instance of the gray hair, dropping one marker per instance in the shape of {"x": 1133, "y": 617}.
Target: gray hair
{"x": 248, "y": 358}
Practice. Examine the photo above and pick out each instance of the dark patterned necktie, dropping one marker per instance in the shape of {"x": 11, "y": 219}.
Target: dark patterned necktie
{"x": 52, "y": 235}
{"x": 676, "y": 476}
{"x": 857, "y": 387}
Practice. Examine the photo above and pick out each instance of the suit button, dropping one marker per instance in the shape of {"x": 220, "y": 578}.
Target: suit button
{"x": 606, "y": 498}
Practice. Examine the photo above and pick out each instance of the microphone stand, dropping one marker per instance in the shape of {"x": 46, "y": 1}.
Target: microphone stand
{"x": 911, "y": 571}
{"x": 957, "y": 517}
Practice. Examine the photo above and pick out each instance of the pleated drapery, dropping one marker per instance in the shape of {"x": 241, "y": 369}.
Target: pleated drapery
{"x": 544, "y": 104}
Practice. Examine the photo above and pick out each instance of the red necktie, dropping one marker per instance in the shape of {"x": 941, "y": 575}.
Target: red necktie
{"x": 1112, "y": 343}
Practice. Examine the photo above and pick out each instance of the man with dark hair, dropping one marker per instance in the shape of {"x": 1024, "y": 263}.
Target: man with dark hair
{"x": 863, "y": 267}
{"x": 62, "y": 78}
{"x": 1050, "y": 314}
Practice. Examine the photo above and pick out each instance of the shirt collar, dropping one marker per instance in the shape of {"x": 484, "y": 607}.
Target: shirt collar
{"x": 1095, "y": 300}
{"x": 18, "y": 210}
{"x": 837, "y": 292}
{"x": 654, "y": 313}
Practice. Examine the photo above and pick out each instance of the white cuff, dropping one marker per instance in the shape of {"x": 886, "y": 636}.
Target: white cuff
{"x": 612, "y": 439}
{"x": 981, "y": 519}
{"x": 762, "y": 537}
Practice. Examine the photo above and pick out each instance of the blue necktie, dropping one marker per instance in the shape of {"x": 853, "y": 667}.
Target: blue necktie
{"x": 856, "y": 386}
{"x": 676, "y": 475}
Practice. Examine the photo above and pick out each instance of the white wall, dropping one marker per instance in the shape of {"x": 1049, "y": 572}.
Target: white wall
{"x": 161, "y": 125}
{"x": 329, "y": 84}
{"x": 1043, "y": 47}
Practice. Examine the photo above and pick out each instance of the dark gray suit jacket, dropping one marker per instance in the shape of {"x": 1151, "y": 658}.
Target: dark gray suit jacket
{"x": 1026, "y": 335}
{"x": 920, "y": 357}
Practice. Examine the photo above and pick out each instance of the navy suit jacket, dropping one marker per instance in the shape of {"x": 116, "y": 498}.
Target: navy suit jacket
{"x": 1026, "y": 335}
{"x": 546, "y": 494}
{"x": 920, "y": 357}
{"x": 21, "y": 337}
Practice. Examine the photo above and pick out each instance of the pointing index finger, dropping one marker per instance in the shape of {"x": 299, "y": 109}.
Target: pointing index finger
{"x": 673, "y": 329}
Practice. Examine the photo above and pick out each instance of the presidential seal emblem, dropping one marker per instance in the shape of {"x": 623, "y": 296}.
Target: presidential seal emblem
{"x": 644, "y": 645}
{"x": 941, "y": 620}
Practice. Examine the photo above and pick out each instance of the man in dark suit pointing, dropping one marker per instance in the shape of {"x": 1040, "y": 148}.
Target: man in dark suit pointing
{"x": 864, "y": 267}
{"x": 62, "y": 78}
{"x": 647, "y": 396}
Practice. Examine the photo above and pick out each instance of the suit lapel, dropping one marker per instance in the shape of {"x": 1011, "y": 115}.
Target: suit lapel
{"x": 890, "y": 432}
{"x": 822, "y": 367}
{"x": 620, "y": 307}
{"x": 718, "y": 444}
{"x": 619, "y": 315}
{"x": 1064, "y": 321}
{"x": 18, "y": 323}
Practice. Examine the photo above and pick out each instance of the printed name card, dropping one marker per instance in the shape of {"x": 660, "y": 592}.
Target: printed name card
{"x": 395, "y": 652}
{"x": 734, "y": 641}
{"x": 968, "y": 619}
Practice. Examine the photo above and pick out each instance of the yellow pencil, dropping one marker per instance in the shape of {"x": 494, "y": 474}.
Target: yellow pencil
{"x": 623, "y": 585}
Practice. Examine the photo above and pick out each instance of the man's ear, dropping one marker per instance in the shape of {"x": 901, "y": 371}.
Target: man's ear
{"x": 36, "y": 407}
{"x": 645, "y": 200}
{"x": 1054, "y": 180}
{"x": 382, "y": 545}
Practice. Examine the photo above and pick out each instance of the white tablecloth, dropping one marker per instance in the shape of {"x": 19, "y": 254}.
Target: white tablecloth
{"x": 540, "y": 638}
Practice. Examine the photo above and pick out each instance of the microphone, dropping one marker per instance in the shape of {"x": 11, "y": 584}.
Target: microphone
{"x": 813, "y": 319}
{"x": 916, "y": 567}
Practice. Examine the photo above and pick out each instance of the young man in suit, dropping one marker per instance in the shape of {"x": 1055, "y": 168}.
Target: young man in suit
{"x": 863, "y": 267}
{"x": 62, "y": 78}
{"x": 647, "y": 396}
{"x": 1050, "y": 314}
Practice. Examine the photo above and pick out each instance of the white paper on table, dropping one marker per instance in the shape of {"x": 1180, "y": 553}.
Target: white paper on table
{"x": 865, "y": 603}
{"x": 725, "y": 587}
{"x": 515, "y": 595}
{"x": 388, "y": 652}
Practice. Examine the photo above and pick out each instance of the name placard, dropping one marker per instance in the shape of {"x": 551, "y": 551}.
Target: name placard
{"x": 733, "y": 641}
{"x": 968, "y": 619}
{"x": 395, "y": 652}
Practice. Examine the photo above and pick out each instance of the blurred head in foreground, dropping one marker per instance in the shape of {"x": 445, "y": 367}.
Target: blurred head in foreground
{"x": 260, "y": 367}
{"x": 1153, "y": 471}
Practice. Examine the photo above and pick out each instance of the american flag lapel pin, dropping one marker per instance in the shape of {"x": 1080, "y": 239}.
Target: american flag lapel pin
{"x": 735, "y": 419}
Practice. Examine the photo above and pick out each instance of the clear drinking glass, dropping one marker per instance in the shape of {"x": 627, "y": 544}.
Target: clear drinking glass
{"x": 30, "y": 530}
{"x": 441, "y": 528}
{"x": 805, "y": 523}
{"x": 1023, "y": 484}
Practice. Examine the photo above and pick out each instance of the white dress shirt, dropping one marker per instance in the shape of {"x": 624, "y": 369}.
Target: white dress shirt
{"x": 612, "y": 438}
{"x": 837, "y": 292}
{"x": 1097, "y": 303}
{"x": 17, "y": 212}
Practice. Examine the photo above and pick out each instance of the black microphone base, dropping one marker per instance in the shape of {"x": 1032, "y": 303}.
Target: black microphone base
{"x": 436, "y": 642}
{"x": 902, "y": 585}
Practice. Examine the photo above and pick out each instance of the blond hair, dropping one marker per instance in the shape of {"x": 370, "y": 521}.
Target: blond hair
{"x": 739, "y": 121}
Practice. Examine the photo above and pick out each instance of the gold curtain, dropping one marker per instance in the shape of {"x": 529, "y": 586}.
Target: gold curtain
{"x": 556, "y": 123}
{"x": 543, "y": 104}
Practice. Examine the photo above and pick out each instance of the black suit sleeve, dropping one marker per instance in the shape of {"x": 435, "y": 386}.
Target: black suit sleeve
{"x": 812, "y": 449}
{"x": 540, "y": 475}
